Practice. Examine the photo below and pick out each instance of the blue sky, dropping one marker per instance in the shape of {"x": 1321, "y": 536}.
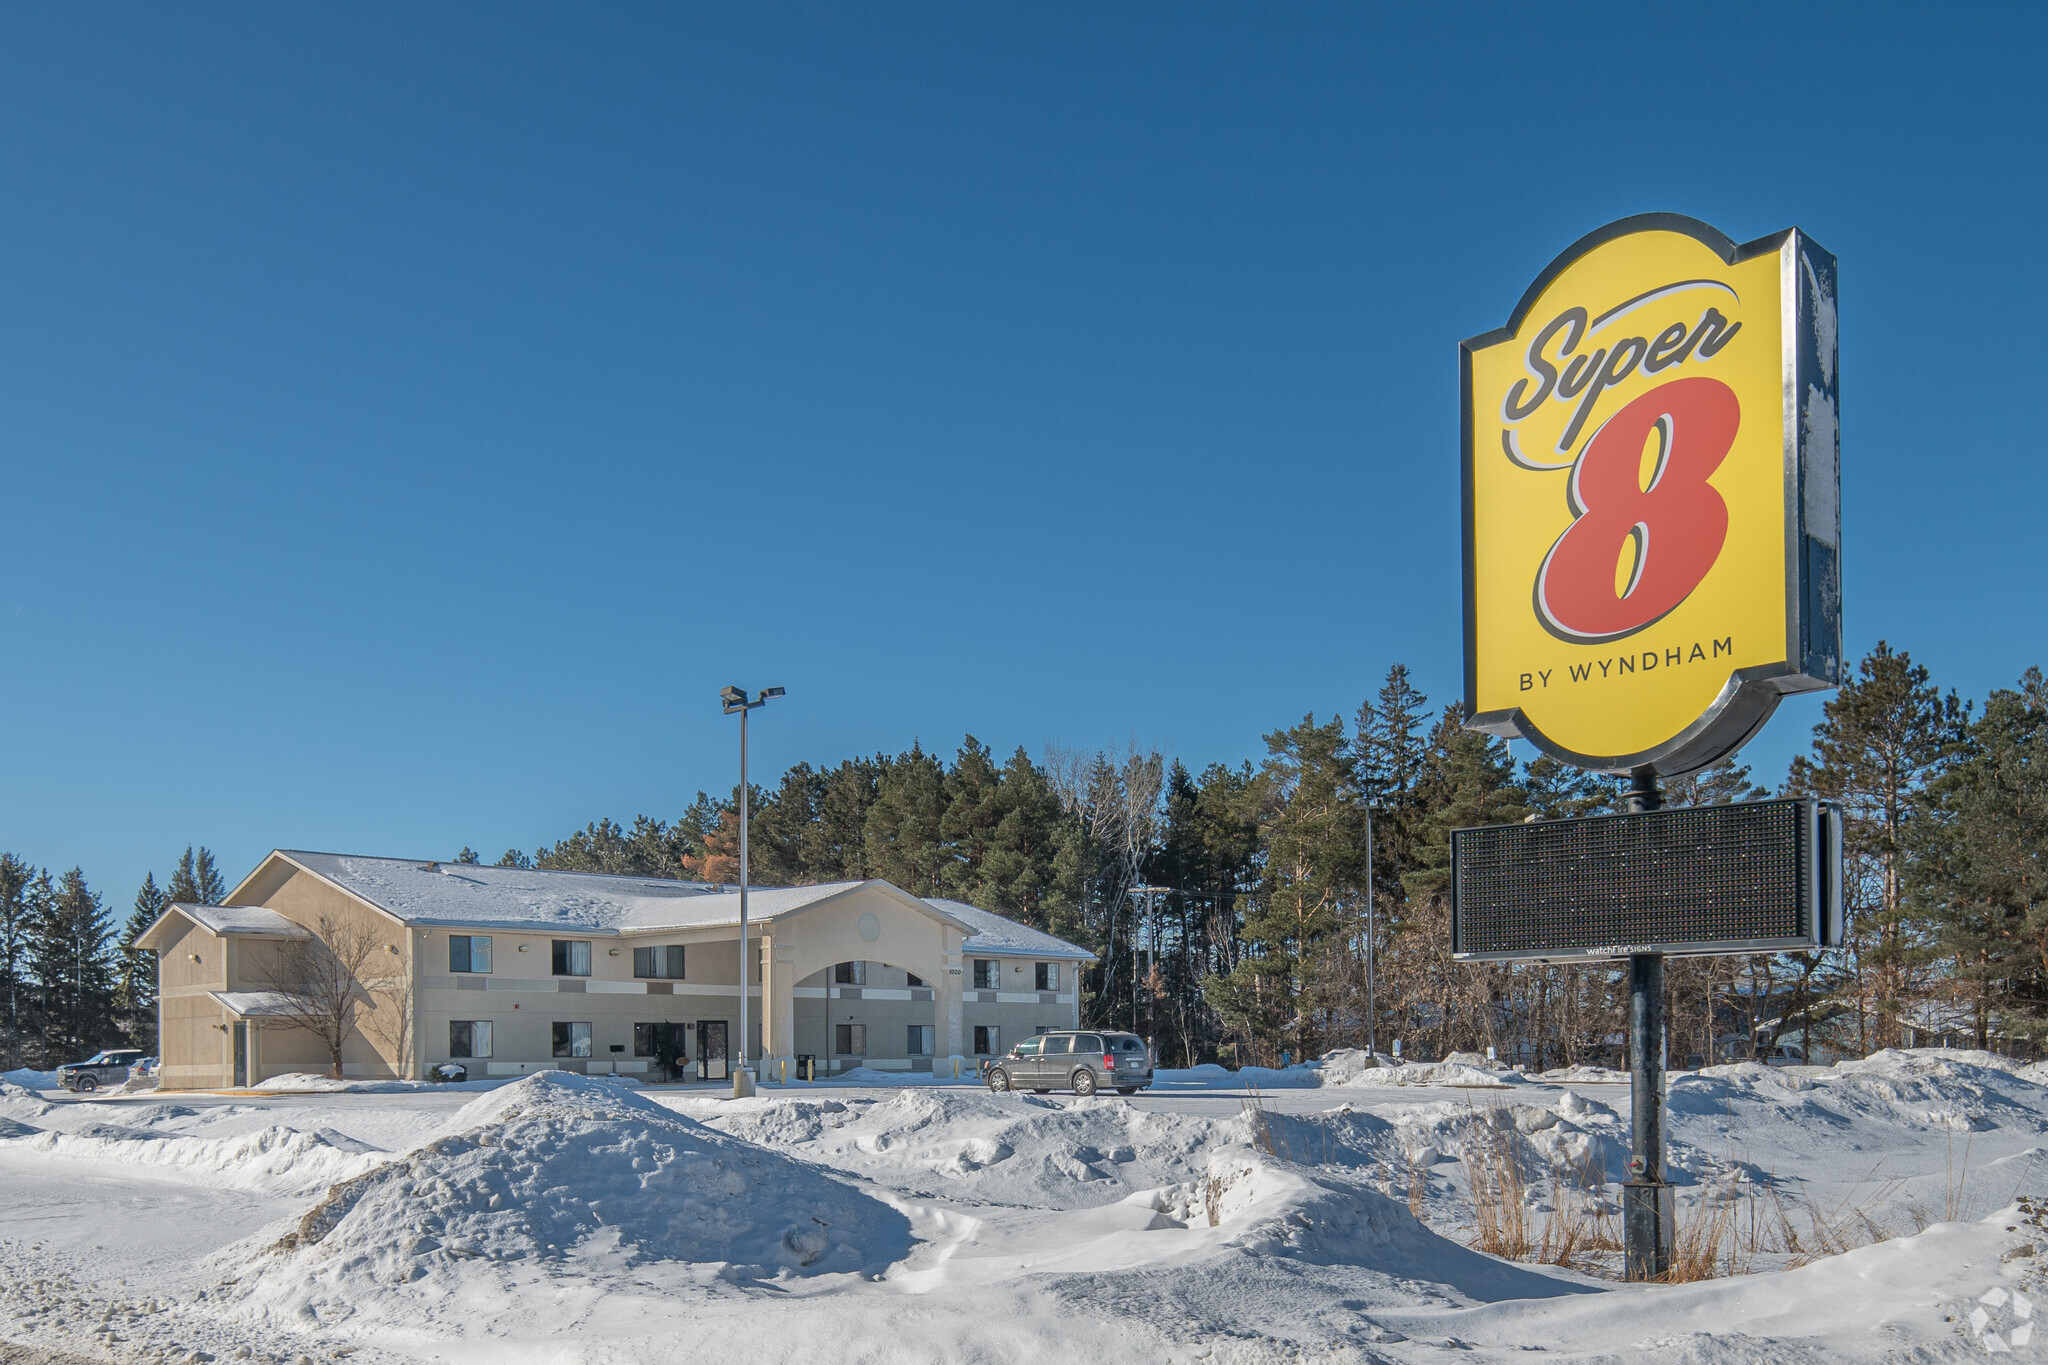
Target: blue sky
{"x": 410, "y": 417}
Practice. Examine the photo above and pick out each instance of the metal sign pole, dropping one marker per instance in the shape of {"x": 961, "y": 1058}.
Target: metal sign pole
{"x": 1646, "y": 1212}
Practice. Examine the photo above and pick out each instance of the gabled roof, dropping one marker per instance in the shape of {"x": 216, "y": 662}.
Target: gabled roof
{"x": 426, "y": 894}
{"x": 228, "y": 921}
{"x": 459, "y": 895}
{"x": 255, "y": 1004}
{"x": 989, "y": 932}
{"x": 465, "y": 895}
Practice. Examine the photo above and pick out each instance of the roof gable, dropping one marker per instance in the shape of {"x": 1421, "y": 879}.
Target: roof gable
{"x": 996, "y": 934}
{"x": 226, "y": 921}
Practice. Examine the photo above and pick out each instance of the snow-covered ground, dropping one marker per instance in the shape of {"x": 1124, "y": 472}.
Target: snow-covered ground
{"x": 1221, "y": 1217}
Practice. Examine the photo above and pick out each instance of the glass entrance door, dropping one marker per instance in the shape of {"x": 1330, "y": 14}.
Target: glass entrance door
{"x": 241, "y": 1055}
{"x": 711, "y": 1049}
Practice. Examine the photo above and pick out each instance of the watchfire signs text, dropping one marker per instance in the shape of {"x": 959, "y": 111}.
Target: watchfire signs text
{"x": 1652, "y": 526}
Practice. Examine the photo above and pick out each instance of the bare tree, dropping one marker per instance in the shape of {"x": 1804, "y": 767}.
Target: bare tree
{"x": 324, "y": 980}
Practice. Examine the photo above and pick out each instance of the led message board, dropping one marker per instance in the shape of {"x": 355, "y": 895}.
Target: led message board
{"x": 1752, "y": 877}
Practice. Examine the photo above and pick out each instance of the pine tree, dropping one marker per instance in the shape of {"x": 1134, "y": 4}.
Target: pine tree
{"x": 1559, "y": 791}
{"x": 135, "y": 982}
{"x": 195, "y": 880}
{"x": 1980, "y": 862}
{"x": 16, "y": 877}
{"x": 843, "y": 805}
{"x": 1314, "y": 835}
{"x": 905, "y": 838}
{"x": 1467, "y": 779}
{"x": 1015, "y": 874}
{"x": 1883, "y": 737}
{"x": 74, "y": 978}
{"x": 212, "y": 889}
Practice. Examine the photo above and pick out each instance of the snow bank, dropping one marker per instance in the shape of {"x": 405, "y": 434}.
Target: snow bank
{"x": 1922, "y": 1089}
{"x": 1584, "y": 1075}
{"x": 1459, "y": 1073}
{"x": 971, "y": 1145}
{"x": 275, "y": 1159}
{"x": 311, "y": 1083}
{"x": 1275, "y": 1208}
{"x": 557, "y": 1164}
{"x": 31, "y": 1080}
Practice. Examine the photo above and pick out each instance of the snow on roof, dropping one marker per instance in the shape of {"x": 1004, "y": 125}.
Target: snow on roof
{"x": 253, "y": 1004}
{"x": 464, "y": 895}
{"x": 993, "y": 933}
{"x": 252, "y": 920}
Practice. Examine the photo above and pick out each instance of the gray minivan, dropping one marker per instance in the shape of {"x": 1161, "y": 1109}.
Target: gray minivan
{"x": 1080, "y": 1062}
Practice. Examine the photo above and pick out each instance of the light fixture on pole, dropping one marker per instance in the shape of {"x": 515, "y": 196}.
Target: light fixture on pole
{"x": 736, "y": 700}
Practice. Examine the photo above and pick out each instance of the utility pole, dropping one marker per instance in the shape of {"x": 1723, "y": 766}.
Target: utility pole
{"x": 736, "y": 700}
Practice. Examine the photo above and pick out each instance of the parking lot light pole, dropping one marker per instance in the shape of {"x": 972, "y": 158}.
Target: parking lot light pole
{"x": 735, "y": 699}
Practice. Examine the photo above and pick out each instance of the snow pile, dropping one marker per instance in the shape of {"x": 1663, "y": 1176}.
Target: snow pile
{"x": 1922, "y": 1089}
{"x": 30, "y": 1080}
{"x": 1582, "y": 1074}
{"x": 1455, "y": 1072}
{"x": 276, "y": 1159}
{"x": 862, "y": 1075}
{"x": 972, "y": 1146}
{"x": 1571, "y": 1134}
{"x": 555, "y": 1165}
{"x": 311, "y": 1083}
{"x": 1273, "y": 1208}
{"x": 1355, "y": 1066}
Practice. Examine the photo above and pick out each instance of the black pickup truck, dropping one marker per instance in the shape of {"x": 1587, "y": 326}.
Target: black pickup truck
{"x": 108, "y": 1068}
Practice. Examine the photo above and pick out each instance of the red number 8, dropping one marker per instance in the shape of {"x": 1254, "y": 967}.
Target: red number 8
{"x": 1677, "y": 524}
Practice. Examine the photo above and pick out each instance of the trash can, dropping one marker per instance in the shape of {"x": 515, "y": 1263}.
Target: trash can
{"x": 805, "y": 1064}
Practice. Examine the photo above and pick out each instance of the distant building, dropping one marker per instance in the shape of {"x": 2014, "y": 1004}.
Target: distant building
{"x": 511, "y": 970}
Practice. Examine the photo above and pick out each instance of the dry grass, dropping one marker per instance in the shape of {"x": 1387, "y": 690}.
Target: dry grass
{"x": 1500, "y": 1195}
{"x": 1578, "y": 1223}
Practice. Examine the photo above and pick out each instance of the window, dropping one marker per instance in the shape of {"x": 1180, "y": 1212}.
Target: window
{"x": 988, "y": 974}
{"x": 920, "y": 1040}
{"x": 469, "y": 952}
{"x": 850, "y": 974}
{"x": 656, "y": 1040}
{"x": 1029, "y": 1047}
{"x": 912, "y": 979}
{"x": 469, "y": 1037}
{"x": 1056, "y": 1044}
{"x": 660, "y": 964}
{"x": 1088, "y": 1042}
{"x": 572, "y": 1040}
{"x": 1048, "y": 976}
{"x": 572, "y": 958}
{"x": 850, "y": 1040}
{"x": 1043, "y": 1029}
{"x": 988, "y": 1040}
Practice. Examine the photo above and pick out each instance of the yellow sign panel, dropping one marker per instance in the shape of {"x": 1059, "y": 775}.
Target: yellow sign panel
{"x": 1652, "y": 526}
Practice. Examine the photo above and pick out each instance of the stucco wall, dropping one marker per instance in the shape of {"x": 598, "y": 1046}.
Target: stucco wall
{"x": 193, "y": 1047}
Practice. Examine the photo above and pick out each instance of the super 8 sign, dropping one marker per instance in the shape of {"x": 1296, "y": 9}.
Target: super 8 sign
{"x": 1652, "y": 497}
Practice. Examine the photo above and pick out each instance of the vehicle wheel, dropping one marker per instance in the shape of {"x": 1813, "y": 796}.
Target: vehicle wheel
{"x": 1127, "y": 1090}
{"x": 86, "y": 1085}
{"x": 998, "y": 1080}
{"x": 1084, "y": 1082}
